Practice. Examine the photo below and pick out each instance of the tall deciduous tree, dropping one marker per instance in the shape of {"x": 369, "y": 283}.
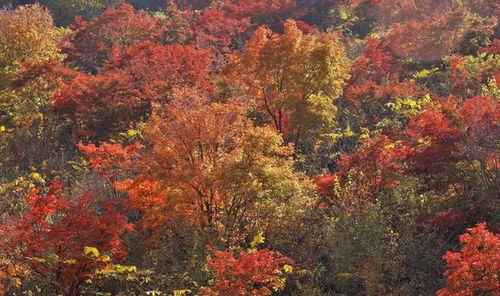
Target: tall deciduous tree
{"x": 26, "y": 33}
{"x": 294, "y": 78}
{"x": 210, "y": 165}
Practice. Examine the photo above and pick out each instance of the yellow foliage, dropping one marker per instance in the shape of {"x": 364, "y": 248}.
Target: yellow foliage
{"x": 131, "y": 133}
{"x": 27, "y": 32}
{"x": 105, "y": 258}
{"x": 181, "y": 292}
{"x": 92, "y": 251}
{"x": 287, "y": 268}
{"x": 425, "y": 72}
{"x": 293, "y": 75}
{"x": 258, "y": 239}
{"x": 117, "y": 269}
{"x": 37, "y": 177}
{"x": 10, "y": 276}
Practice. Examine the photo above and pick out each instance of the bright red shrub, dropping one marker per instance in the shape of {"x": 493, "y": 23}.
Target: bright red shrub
{"x": 110, "y": 159}
{"x": 475, "y": 269}
{"x": 375, "y": 63}
{"x": 324, "y": 184}
{"x": 247, "y": 274}
{"x": 151, "y": 200}
{"x": 436, "y": 142}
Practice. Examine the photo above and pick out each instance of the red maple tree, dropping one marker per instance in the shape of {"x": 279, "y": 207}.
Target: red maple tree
{"x": 51, "y": 235}
{"x": 475, "y": 269}
{"x": 89, "y": 44}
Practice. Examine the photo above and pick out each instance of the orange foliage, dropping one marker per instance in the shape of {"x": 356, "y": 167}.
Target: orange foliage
{"x": 190, "y": 136}
{"x": 110, "y": 159}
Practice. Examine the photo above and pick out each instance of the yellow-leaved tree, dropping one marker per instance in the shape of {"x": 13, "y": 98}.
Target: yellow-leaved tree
{"x": 28, "y": 61}
{"x": 294, "y": 78}
{"x": 26, "y": 33}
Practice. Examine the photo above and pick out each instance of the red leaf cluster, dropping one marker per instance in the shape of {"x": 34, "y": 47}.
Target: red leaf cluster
{"x": 452, "y": 132}
{"x": 90, "y": 43}
{"x": 376, "y": 78}
{"x": 444, "y": 220}
{"x": 216, "y": 30}
{"x": 248, "y": 274}
{"x": 131, "y": 80}
{"x": 56, "y": 225}
{"x": 475, "y": 269}
{"x": 377, "y": 165}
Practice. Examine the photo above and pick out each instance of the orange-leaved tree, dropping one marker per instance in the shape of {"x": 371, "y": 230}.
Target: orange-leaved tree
{"x": 205, "y": 162}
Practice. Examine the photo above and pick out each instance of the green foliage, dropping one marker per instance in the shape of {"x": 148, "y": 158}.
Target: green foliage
{"x": 380, "y": 251}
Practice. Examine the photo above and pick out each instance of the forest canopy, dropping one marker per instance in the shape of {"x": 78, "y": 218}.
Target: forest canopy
{"x": 250, "y": 148}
